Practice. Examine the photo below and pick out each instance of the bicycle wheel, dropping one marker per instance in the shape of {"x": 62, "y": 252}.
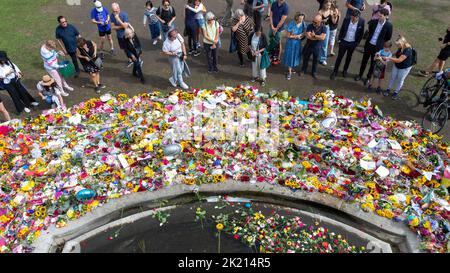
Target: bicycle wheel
{"x": 430, "y": 89}
{"x": 435, "y": 118}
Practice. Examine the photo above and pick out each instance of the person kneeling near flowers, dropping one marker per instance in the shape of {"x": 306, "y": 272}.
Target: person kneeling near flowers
{"x": 50, "y": 92}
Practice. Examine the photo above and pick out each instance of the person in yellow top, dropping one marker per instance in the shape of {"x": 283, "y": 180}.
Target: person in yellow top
{"x": 210, "y": 41}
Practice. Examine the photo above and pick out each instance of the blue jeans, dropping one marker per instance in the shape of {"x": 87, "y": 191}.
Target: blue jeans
{"x": 324, "y": 48}
{"x": 155, "y": 30}
{"x": 399, "y": 76}
{"x": 177, "y": 69}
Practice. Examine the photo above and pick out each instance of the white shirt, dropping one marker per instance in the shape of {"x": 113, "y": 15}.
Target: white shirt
{"x": 375, "y": 35}
{"x": 198, "y": 11}
{"x": 351, "y": 32}
{"x": 50, "y": 58}
{"x": 5, "y": 72}
{"x": 173, "y": 46}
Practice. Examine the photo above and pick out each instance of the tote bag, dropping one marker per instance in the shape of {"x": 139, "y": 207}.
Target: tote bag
{"x": 233, "y": 43}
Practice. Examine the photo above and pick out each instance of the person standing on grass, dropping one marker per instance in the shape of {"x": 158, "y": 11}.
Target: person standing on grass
{"x": 100, "y": 17}
{"x": 258, "y": 43}
{"x": 351, "y": 33}
{"x": 191, "y": 26}
{"x": 210, "y": 41}
{"x": 315, "y": 34}
{"x": 50, "y": 92}
{"x": 120, "y": 22}
{"x": 11, "y": 76}
{"x": 296, "y": 31}
{"x": 87, "y": 53}
{"x": 242, "y": 26}
{"x": 381, "y": 59}
{"x": 278, "y": 15}
{"x": 67, "y": 35}
{"x": 134, "y": 51}
{"x": 151, "y": 19}
{"x": 354, "y": 5}
{"x": 334, "y": 22}
{"x": 176, "y": 50}
{"x": 166, "y": 15}
{"x": 439, "y": 62}
{"x": 384, "y": 4}
{"x": 403, "y": 62}
{"x": 50, "y": 57}
{"x": 380, "y": 31}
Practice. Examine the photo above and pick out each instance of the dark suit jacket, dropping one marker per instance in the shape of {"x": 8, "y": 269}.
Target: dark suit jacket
{"x": 359, "y": 30}
{"x": 385, "y": 34}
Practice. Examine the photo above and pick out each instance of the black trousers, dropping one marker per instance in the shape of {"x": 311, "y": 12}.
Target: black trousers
{"x": 137, "y": 69}
{"x": 307, "y": 52}
{"x": 19, "y": 95}
{"x": 211, "y": 56}
{"x": 241, "y": 57}
{"x": 344, "y": 48}
{"x": 74, "y": 57}
{"x": 192, "y": 35}
{"x": 369, "y": 53}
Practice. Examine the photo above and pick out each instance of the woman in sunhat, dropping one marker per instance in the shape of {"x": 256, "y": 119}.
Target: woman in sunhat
{"x": 50, "y": 92}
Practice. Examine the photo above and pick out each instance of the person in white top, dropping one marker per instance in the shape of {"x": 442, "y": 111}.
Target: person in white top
{"x": 10, "y": 76}
{"x": 49, "y": 56}
{"x": 175, "y": 48}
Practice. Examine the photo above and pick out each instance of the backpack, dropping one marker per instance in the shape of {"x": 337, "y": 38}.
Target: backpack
{"x": 414, "y": 56}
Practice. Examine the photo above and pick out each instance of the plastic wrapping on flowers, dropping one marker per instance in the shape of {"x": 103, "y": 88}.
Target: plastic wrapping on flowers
{"x": 61, "y": 165}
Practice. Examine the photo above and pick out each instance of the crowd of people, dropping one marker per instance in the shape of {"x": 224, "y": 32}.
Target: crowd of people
{"x": 329, "y": 36}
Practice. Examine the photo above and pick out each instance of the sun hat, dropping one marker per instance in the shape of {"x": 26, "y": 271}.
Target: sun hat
{"x": 47, "y": 80}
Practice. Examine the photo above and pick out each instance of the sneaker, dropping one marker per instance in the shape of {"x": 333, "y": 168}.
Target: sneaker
{"x": 263, "y": 83}
{"x": 332, "y": 54}
{"x": 288, "y": 76}
{"x": 358, "y": 78}
{"x": 366, "y": 82}
{"x": 160, "y": 37}
{"x": 101, "y": 85}
{"x": 184, "y": 86}
{"x": 65, "y": 94}
{"x": 27, "y": 110}
{"x": 253, "y": 80}
{"x": 69, "y": 88}
{"x": 395, "y": 96}
{"x": 155, "y": 42}
{"x": 34, "y": 103}
{"x": 386, "y": 92}
{"x": 378, "y": 90}
{"x": 97, "y": 90}
{"x": 324, "y": 63}
{"x": 129, "y": 64}
{"x": 190, "y": 51}
{"x": 172, "y": 81}
{"x": 197, "y": 53}
{"x": 210, "y": 72}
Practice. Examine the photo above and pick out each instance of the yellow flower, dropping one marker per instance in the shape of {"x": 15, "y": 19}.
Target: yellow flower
{"x": 219, "y": 226}
{"x": 306, "y": 164}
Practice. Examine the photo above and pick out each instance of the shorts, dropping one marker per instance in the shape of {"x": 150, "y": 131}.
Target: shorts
{"x": 122, "y": 43}
{"x": 103, "y": 33}
{"x": 443, "y": 55}
{"x": 200, "y": 22}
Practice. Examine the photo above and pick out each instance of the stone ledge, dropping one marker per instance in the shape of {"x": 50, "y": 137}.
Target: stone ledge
{"x": 50, "y": 239}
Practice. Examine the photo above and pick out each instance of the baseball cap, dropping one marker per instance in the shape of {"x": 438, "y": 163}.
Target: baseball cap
{"x": 98, "y": 6}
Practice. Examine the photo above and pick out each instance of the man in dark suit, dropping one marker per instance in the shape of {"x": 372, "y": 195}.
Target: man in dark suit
{"x": 380, "y": 31}
{"x": 350, "y": 35}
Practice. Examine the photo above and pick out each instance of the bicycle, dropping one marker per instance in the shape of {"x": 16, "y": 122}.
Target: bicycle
{"x": 437, "y": 113}
{"x": 432, "y": 87}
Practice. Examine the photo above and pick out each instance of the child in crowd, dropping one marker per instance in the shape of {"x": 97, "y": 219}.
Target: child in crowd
{"x": 50, "y": 92}
{"x": 380, "y": 65}
{"x": 151, "y": 19}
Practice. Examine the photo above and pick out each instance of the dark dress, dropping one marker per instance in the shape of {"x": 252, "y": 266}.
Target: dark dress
{"x": 88, "y": 66}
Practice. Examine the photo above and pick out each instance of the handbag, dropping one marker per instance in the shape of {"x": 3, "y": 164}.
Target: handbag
{"x": 265, "y": 60}
{"x": 233, "y": 43}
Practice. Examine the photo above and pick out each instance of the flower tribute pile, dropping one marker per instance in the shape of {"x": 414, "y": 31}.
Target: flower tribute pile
{"x": 61, "y": 165}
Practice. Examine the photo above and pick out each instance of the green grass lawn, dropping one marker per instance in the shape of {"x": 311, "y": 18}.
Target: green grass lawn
{"x": 26, "y": 24}
{"x": 421, "y": 22}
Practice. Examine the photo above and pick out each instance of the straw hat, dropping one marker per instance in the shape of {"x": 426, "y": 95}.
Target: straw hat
{"x": 47, "y": 80}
